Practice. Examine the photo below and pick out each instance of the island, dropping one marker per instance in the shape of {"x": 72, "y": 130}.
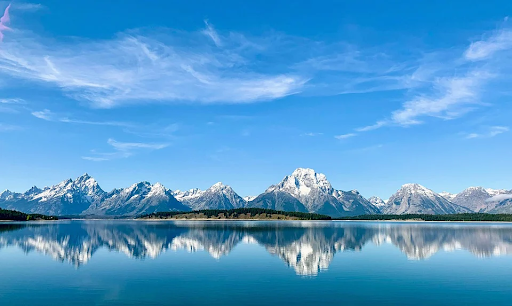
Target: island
{"x": 234, "y": 214}
{"x": 13, "y": 215}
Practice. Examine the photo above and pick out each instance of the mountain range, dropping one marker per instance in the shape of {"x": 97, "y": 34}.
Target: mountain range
{"x": 304, "y": 190}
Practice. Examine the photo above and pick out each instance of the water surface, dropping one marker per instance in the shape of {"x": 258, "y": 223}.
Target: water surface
{"x": 255, "y": 263}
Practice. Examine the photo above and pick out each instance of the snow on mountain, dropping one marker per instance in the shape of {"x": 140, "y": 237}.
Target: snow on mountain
{"x": 416, "y": 199}
{"x": 69, "y": 197}
{"x": 139, "y": 198}
{"x": 500, "y": 203}
{"x": 218, "y": 196}
{"x": 447, "y": 195}
{"x": 475, "y": 198}
{"x": 249, "y": 198}
{"x": 307, "y": 191}
{"x": 376, "y": 201}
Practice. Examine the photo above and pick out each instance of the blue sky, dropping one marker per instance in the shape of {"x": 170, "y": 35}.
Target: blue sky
{"x": 374, "y": 94}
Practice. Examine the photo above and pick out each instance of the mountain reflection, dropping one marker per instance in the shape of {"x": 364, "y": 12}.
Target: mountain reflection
{"x": 307, "y": 247}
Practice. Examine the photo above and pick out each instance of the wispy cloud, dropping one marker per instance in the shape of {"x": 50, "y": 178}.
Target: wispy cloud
{"x": 491, "y": 132}
{"x": 345, "y": 136}
{"x": 8, "y": 127}
{"x": 48, "y": 115}
{"x": 22, "y": 6}
{"x": 456, "y": 89}
{"x": 499, "y": 197}
{"x": 140, "y": 67}
{"x": 490, "y": 44}
{"x": 45, "y": 114}
{"x": 123, "y": 150}
{"x": 12, "y": 101}
{"x": 210, "y": 32}
{"x": 372, "y": 127}
{"x": 4, "y": 21}
{"x": 310, "y": 134}
{"x": 452, "y": 97}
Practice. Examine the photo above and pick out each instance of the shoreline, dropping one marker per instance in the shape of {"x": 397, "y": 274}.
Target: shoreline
{"x": 245, "y": 220}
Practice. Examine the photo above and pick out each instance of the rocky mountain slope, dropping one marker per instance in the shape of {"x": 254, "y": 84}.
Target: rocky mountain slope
{"x": 219, "y": 196}
{"x": 416, "y": 199}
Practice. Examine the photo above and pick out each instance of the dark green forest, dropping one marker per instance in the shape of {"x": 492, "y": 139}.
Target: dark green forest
{"x": 13, "y": 215}
{"x": 238, "y": 213}
{"x": 426, "y": 217}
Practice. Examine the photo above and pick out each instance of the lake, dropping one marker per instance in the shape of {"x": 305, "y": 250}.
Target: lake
{"x": 254, "y": 263}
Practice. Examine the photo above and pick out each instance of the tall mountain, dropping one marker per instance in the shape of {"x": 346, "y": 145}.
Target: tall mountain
{"x": 476, "y": 198}
{"x": 307, "y": 191}
{"x": 140, "y": 198}
{"x": 70, "y": 197}
{"x": 416, "y": 199}
{"x": 218, "y": 196}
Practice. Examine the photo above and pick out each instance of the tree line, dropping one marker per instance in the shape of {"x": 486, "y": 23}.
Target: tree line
{"x": 13, "y": 215}
{"x": 234, "y": 213}
{"x": 426, "y": 217}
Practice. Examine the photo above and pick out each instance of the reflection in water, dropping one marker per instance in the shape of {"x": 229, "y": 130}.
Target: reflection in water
{"x": 308, "y": 247}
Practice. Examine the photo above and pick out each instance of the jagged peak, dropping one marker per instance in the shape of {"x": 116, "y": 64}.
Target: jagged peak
{"x": 158, "y": 185}
{"x": 303, "y": 171}
{"x": 219, "y": 186}
{"x": 85, "y": 175}
{"x": 475, "y": 188}
{"x": 305, "y": 177}
{"x": 416, "y": 188}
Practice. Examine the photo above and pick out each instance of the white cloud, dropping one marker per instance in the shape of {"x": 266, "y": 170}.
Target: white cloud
{"x": 123, "y": 150}
{"x": 372, "y": 127}
{"x": 48, "y": 115}
{"x": 24, "y": 6}
{"x": 210, "y": 32}
{"x": 499, "y": 40}
{"x": 12, "y": 101}
{"x": 44, "y": 114}
{"x": 491, "y": 132}
{"x": 310, "y": 134}
{"x": 499, "y": 197}
{"x": 452, "y": 97}
{"x": 345, "y": 136}
{"x": 128, "y": 146}
{"x": 137, "y": 67}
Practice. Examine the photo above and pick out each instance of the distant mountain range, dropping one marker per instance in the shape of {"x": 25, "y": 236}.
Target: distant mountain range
{"x": 304, "y": 191}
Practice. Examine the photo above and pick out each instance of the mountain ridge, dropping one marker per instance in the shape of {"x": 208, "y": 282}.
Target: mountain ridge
{"x": 303, "y": 191}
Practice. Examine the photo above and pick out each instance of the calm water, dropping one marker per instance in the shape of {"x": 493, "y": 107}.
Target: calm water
{"x": 254, "y": 263}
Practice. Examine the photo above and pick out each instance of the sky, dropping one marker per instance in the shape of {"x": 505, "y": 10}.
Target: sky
{"x": 374, "y": 94}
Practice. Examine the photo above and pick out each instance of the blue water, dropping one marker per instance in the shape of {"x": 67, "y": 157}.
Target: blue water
{"x": 255, "y": 263}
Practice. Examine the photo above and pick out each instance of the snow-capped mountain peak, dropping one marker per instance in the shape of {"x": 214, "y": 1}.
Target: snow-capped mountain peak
{"x": 413, "y": 188}
{"x": 249, "y": 198}
{"x": 218, "y": 187}
{"x": 307, "y": 190}
{"x": 218, "y": 196}
{"x": 187, "y": 194}
{"x": 7, "y": 195}
{"x": 302, "y": 182}
{"x": 377, "y": 201}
